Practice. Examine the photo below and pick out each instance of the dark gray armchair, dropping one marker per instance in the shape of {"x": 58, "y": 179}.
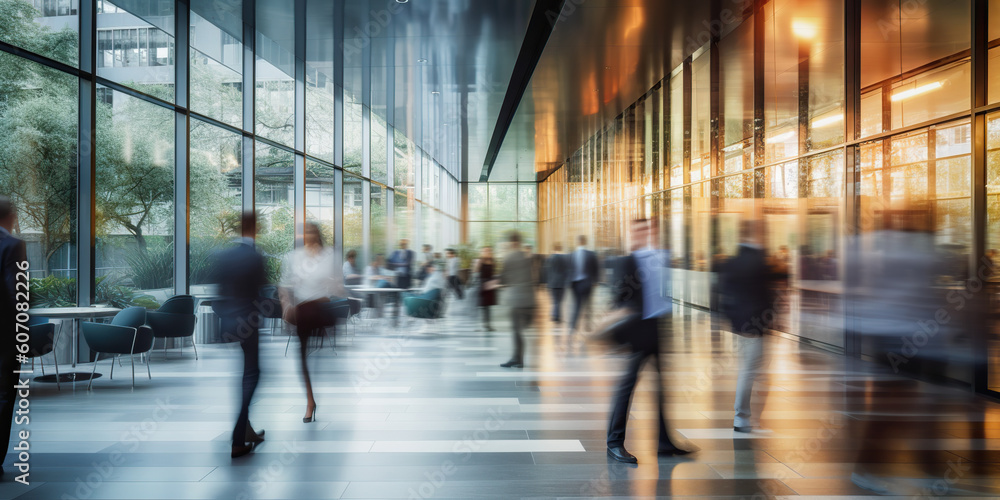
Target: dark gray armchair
{"x": 126, "y": 334}
{"x": 174, "y": 319}
{"x": 42, "y": 342}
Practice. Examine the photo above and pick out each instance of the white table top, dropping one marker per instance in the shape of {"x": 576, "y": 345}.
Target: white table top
{"x": 73, "y": 312}
{"x": 376, "y": 290}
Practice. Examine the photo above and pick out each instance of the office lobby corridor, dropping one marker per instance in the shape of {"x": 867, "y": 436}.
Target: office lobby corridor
{"x": 426, "y": 412}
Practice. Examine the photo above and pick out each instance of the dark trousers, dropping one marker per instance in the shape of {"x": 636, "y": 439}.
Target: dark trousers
{"x": 456, "y": 285}
{"x": 648, "y": 348}
{"x": 520, "y": 318}
{"x": 403, "y": 281}
{"x": 486, "y": 316}
{"x": 8, "y": 394}
{"x": 557, "y": 298}
{"x": 250, "y": 344}
{"x": 581, "y": 299}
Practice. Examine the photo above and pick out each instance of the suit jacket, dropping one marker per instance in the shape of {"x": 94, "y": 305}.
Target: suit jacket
{"x": 401, "y": 261}
{"x": 591, "y": 268}
{"x": 516, "y": 276}
{"x": 557, "y": 270}
{"x": 12, "y": 251}
{"x": 747, "y": 287}
{"x": 627, "y": 289}
{"x": 240, "y": 271}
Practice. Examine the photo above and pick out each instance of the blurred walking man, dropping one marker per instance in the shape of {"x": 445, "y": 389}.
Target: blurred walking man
{"x": 584, "y": 275}
{"x": 640, "y": 285}
{"x": 240, "y": 272}
{"x": 556, "y": 275}
{"x": 747, "y": 285}
{"x": 12, "y": 253}
{"x": 452, "y": 270}
{"x": 519, "y": 296}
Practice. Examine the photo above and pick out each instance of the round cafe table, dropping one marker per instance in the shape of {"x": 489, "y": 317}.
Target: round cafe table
{"x": 77, "y": 314}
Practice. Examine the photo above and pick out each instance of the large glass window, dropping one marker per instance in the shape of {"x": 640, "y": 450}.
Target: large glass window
{"x": 38, "y": 121}
{"x": 898, "y": 38}
{"x": 503, "y": 202}
{"x": 378, "y": 219}
{"x": 701, "y": 117}
{"x": 354, "y": 213}
{"x": 216, "y": 69}
{"x": 353, "y": 122}
{"x": 274, "y": 182}
{"x": 135, "y": 197}
{"x": 275, "y": 66}
{"x": 527, "y": 202}
{"x": 216, "y": 194}
{"x": 402, "y": 216}
{"x": 379, "y": 149}
{"x": 321, "y": 201}
{"x": 993, "y": 228}
{"x": 41, "y": 26}
{"x": 140, "y": 38}
{"x": 320, "y": 117}
{"x": 736, "y": 99}
{"x": 676, "y": 139}
{"x": 403, "y": 163}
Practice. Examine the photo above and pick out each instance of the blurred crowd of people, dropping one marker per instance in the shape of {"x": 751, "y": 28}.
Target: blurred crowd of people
{"x": 905, "y": 315}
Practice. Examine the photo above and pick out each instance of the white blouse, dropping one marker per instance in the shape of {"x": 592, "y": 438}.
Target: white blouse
{"x": 313, "y": 276}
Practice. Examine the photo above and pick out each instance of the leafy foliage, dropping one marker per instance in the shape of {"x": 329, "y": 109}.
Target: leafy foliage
{"x": 53, "y": 291}
{"x": 153, "y": 267}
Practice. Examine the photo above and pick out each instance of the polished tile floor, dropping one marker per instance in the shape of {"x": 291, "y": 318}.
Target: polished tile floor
{"x": 426, "y": 412}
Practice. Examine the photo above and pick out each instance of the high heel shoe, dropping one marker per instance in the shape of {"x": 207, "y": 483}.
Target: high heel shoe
{"x": 311, "y": 417}
{"x": 253, "y": 436}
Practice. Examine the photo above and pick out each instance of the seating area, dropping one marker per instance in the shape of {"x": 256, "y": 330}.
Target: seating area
{"x": 402, "y": 406}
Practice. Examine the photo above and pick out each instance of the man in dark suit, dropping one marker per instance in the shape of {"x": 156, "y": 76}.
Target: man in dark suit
{"x": 556, "y": 276}
{"x": 584, "y": 271}
{"x": 747, "y": 285}
{"x": 401, "y": 261}
{"x": 240, "y": 271}
{"x": 641, "y": 286}
{"x": 519, "y": 295}
{"x": 12, "y": 253}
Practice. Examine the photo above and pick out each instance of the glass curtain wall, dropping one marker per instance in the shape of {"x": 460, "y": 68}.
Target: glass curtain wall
{"x": 254, "y": 137}
{"x": 497, "y": 208}
{"x": 824, "y": 183}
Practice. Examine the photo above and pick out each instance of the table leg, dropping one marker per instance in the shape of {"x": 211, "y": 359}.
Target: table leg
{"x": 399, "y": 308}
{"x": 76, "y": 345}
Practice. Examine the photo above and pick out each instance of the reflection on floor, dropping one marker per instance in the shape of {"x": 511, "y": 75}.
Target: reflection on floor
{"x": 410, "y": 414}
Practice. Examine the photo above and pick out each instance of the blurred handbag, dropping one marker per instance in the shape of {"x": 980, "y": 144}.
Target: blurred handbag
{"x": 613, "y": 328}
{"x": 492, "y": 284}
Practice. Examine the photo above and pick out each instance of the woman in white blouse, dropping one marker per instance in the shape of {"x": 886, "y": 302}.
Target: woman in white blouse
{"x": 310, "y": 275}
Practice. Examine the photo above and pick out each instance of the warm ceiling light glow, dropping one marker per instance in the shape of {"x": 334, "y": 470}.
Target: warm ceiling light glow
{"x": 829, "y": 120}
{"x": 906, "y": 94}
{"x": 782, "y": 137}
{"x": 803, "y": 29}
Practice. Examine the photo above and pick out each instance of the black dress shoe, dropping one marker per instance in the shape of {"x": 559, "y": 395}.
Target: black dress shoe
{"x": 671, "y": 450}
{"x": 620, "y": 454}
{"x": 240, "y": 450}
{"x": 513, "y": 364}
{"x": 746, "y": 429}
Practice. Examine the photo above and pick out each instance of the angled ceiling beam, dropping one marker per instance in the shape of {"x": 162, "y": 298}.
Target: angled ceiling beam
{"x": 543, "y": 20}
